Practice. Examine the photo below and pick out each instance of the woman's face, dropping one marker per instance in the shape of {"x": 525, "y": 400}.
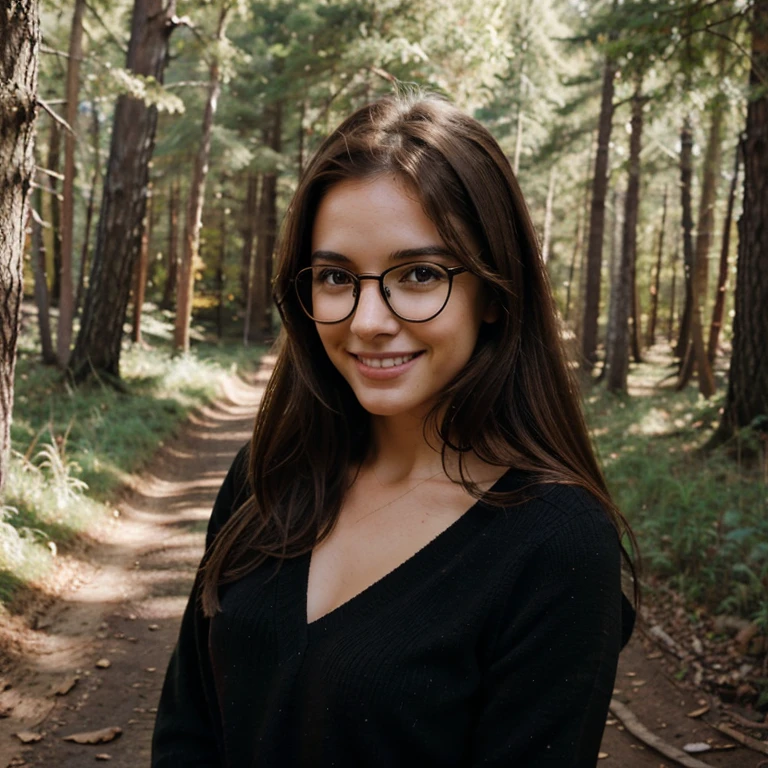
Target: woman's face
{"x": 394, "y": 367}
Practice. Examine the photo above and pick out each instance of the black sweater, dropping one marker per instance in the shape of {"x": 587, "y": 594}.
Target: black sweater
{"x": 495, "y": 645}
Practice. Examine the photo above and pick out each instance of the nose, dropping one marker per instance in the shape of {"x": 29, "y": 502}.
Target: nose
{"x": 372, "y": 316}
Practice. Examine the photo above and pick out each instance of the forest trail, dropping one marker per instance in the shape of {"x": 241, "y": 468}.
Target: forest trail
{"x": 115, "y": 627}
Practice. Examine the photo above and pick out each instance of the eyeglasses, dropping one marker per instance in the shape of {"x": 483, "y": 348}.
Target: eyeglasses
{"x": 414, "y": 292}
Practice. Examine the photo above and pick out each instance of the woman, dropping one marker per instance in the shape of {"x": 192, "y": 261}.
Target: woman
{"x": 416, "y": 561}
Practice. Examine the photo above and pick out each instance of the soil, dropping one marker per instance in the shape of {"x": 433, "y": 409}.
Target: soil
{"x": 103, "y": 642}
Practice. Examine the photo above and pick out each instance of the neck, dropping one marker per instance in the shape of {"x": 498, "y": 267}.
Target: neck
{"x": 400, "y": 451}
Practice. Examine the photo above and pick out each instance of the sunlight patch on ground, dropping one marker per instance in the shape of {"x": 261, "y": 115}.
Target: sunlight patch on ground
{"x": 655, "y": 422}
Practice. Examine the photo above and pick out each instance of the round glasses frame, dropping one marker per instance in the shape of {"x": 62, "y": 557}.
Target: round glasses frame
{"x": 358, "y": 278}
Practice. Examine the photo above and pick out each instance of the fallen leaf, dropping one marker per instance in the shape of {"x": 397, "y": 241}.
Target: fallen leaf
{"x": 103, "y": 756}
{"x": 103, "y": 663}
{"x": 699, "y": 712}
{"x": 602, "y": 755}
{"x": 95, "y": 737}
{"x": 654, "y": 655}
{"x": 29, "y": 737}
{"x": 637, "y": 683}
{"x": 153, "y": 627}
{"x": 66, "y": 685}
{"x": 17, "y": 761}
{"x": 696, "y": 747}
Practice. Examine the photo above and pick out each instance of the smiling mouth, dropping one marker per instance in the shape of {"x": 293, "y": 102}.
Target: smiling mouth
{"x": 386, "y": 362}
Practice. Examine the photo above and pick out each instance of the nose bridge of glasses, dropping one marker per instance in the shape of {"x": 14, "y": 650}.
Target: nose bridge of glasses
{"x": 380, "y": 289}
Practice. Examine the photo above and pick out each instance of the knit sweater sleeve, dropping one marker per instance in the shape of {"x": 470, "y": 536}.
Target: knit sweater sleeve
{"x": 187, "y": 728}
{"x": 552, "y": 664}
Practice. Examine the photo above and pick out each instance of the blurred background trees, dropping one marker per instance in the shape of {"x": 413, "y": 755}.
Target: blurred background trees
{"x": 175, "y": 134}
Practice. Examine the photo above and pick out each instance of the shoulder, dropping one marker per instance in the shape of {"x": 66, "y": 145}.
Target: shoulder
{"x": 544, "y": 513}
{"x": 558, "y": 537}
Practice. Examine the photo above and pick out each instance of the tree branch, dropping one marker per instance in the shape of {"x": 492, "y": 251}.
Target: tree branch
{"x": 120, "y": 44}
{"x": 60, "y": 120}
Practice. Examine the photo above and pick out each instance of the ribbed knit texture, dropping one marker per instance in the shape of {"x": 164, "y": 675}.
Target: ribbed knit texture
{"x": 494, "y": 645}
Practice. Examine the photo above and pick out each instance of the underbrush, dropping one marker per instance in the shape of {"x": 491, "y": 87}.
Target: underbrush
{"x": 700, "y": 517}
{"x": 73, "y": 447}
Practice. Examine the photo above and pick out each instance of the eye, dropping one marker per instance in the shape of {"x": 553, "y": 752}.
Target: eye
{"x": 423, "y": 274}
{"x": 332, "y": 277}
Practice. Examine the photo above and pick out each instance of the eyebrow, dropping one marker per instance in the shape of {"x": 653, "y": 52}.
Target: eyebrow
{"x": 401, "y": 255}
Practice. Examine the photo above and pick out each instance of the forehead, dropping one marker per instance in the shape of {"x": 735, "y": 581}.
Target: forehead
{"x": 374, "y": 217}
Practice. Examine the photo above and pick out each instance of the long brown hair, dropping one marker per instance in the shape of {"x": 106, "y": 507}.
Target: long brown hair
{"x": 514, "y": 404}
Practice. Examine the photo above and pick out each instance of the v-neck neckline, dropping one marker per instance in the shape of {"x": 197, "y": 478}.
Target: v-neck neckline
{"x": 407, "y": 572}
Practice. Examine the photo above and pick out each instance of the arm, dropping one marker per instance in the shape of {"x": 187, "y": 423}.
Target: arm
{"x": 187, "y": 731}
{"x": 551, "y": 668}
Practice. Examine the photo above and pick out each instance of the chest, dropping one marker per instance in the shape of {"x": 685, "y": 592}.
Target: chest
{"x": 375, "y": 535}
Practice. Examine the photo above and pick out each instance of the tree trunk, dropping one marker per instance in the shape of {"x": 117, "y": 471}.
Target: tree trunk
{"x": 653, "y": 310}
{"x": 267, "y": 226}
{"x": 42, "y": 301}
{"x": 635, "y": 315}
{"x": 95, "y": 133}
{"x": 169, "y": 289}
{"x": 673, "y": 286}
{"x": 722, "y": 277}
{"x": 577, "y": 236}
{"x": 19, "y": 48}
{"x": 696, "y": 355}
{"x": 686, "y": 172}
{"x": 194, "y": 213}
{"x": 686, "y": 206}
{"x": 547, "y": 238}
{"x": 250, "y": 212}
{"x": 618, "y": 354}
{"x": 67, "y": 297}
{"x": 53, "y": 162}
{"x": 220, "y": 285}
{"x": 597, "y": 220}
{"x": 747, "y": 397}
{"x": 142, "y": 267}
{"x": 118, "y": 240}
{"x": 613, "y": 289}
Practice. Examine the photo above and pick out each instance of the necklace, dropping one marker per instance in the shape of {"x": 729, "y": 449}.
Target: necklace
{"x": 397, "y": 498}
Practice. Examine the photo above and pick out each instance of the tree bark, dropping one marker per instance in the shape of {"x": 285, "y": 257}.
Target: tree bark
{"x": 653, "y": 310}
{"x": 250, "y": 212}
{"x": 67, "y": 297}
{"x": 42, "y": 300}
{"x": 613, "y": 290}
{"x": 194, "y": 213}
{"x": 118, "y": 240}
{"x": 696, "y": 353}
{"x": 142, "y": 268}
{"x": 673, "y": 286}
{"x": 547, "y": 237}
{"x": 618, "y": 355}
{"x": 169, "y": 289}
{"x": 747, "y": 397}
{"x": 267, "y": 229}
{"x": 722, "y": 276}
{"x": 686, "y": 207}
{"x": 53, "y": 162}
{"x": 19, "y": 50}
{"x": 220, "y": 285}
{"x": 95, "y": 136}
{"x": 597, "y": 220}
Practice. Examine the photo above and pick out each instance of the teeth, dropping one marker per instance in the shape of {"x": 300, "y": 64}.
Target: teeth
{"x": 384, "y": 362}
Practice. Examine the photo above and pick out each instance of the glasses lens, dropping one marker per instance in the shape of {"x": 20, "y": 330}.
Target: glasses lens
{"x": 417, "y": 291}
{"x": 326, "y": 293}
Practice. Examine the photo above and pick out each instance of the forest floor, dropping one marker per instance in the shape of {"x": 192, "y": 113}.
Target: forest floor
{"x": 90, "y": 658}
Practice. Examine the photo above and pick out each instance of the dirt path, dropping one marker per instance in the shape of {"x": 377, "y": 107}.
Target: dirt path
{"x": 126, "y": 604}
